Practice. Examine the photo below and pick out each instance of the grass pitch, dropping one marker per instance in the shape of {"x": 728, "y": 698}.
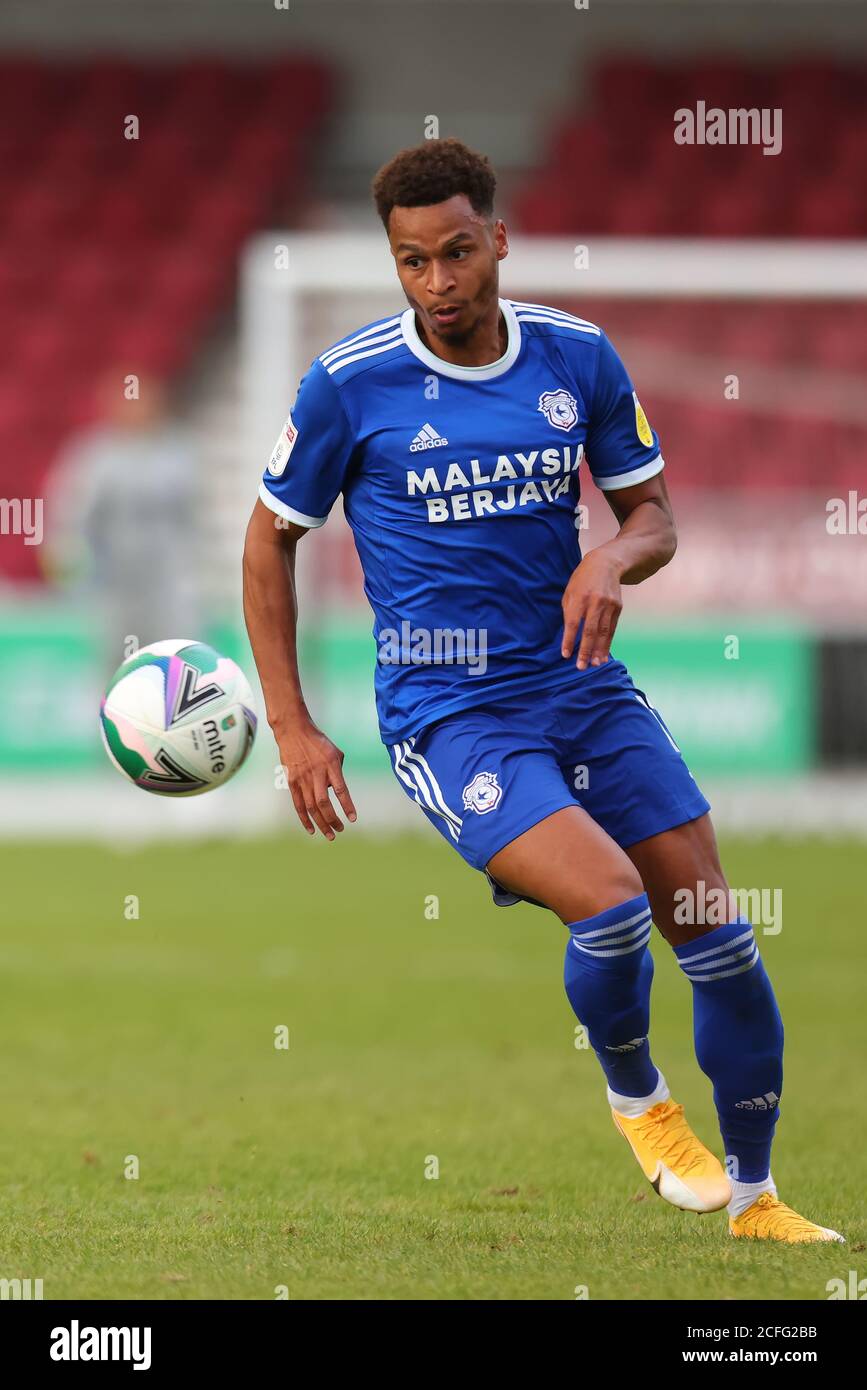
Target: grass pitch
{"x": 412, "y": 1040}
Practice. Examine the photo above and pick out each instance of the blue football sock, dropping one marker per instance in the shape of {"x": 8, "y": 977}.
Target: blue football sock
{"x": 738, "y": 1042}
{"x": 607, "y": 975}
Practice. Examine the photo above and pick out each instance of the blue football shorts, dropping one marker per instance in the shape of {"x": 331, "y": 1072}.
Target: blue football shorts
{"x": 483, "y": 776}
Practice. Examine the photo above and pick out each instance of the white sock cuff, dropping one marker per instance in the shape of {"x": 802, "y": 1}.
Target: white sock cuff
{"x": 633, "y": 1106}
{"x": 745, "y": 1193}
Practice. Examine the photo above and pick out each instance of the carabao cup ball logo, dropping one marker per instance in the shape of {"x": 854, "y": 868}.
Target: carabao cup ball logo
{"x": 559, "y": 408}
{"x": 483, "y": 793}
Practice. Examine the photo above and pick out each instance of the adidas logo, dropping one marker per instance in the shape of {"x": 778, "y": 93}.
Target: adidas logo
{"x": 765, "y": 1102}
{"x": 427, "y": 438}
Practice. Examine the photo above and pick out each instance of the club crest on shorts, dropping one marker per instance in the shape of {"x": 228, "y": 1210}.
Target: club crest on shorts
{"x": 559, "y": 408}
{"x": 483, "y": 793}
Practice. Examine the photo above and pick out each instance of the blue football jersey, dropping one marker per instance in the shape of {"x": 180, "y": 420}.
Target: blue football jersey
{"x": 461, "y": 485}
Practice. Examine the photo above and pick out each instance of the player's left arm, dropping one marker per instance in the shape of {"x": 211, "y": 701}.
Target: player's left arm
{"x": 626, "y": 464}
{"x": 647, "y": 538}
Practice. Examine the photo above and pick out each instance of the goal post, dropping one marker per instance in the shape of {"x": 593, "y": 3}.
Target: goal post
{"x": 279, "y": 271}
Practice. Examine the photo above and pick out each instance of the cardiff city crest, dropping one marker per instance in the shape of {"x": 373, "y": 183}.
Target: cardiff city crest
{"x": 559, "y": 408}
{"x": 483, "y": 793}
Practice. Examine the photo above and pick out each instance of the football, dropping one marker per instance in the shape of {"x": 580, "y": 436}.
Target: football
{"x": 178, "y": 718}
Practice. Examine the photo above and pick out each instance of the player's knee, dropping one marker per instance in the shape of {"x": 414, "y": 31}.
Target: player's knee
{"x": 619, "y": 884}
{"x": 619, "y": 888}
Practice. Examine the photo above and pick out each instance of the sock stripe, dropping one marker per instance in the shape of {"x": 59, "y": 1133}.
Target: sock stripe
{"x": 616, "y": 926}
{"x": 737, "y": 953}
{"x": 690, "y": 956}
{"x": 728, "y": 959}
{"x": 618, "y": 931}
{"x": 641, "y": 933}
{"x": 725, "y": 974}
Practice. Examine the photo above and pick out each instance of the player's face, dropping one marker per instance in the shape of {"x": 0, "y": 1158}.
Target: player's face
{"x": 446, "y": 256}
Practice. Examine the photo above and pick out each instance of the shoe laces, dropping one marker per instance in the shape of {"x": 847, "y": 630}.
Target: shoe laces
{"x": 771, "y": 1211}
{"x": 665, "y": 1129}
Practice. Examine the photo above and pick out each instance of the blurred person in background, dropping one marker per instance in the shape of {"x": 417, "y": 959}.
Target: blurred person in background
{"x": 122, "y": 520}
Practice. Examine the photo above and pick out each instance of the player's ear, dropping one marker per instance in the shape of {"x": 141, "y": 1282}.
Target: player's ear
{"x": 501, "y": 239}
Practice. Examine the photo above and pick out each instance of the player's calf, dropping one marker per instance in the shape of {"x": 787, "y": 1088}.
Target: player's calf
{"x": 608, "y": 974}
{"x": 739, "y": 1047}
{"x": 737, "y": 1026}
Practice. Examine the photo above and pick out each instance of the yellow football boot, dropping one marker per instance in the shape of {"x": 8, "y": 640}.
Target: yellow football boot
{"x": 770, "y": 1219}
{"x": 677, "y": 1165}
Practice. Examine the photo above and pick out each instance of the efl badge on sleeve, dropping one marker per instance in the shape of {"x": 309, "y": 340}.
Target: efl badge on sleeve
{"x": 283, "y": 448}
{"x": 645, "y": 433}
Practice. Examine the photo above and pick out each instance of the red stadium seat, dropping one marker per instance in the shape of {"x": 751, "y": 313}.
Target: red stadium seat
{"x": 116, "y": 250}
{"x": 814, "y": 187}
{"x": 623, "y": 87}
{"x": 301, "y": 90}
{"x": 831, "y": 209}
{"x": 721, "y": 82}
{"x": 811, "y": 188}
{"x": 642, "y": 207}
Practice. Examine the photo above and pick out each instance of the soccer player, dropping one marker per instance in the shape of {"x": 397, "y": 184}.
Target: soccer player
{"x": 458, "y": 432}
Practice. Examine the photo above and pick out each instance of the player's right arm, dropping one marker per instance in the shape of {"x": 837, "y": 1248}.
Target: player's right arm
{"x": 313, "y": 764}
{"x": 304, "y": 475}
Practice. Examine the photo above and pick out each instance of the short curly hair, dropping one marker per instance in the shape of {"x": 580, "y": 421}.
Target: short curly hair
{"x": 431, "y": 173}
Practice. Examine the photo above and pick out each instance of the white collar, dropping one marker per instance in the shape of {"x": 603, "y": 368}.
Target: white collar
{"x": 443, "y": 368}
